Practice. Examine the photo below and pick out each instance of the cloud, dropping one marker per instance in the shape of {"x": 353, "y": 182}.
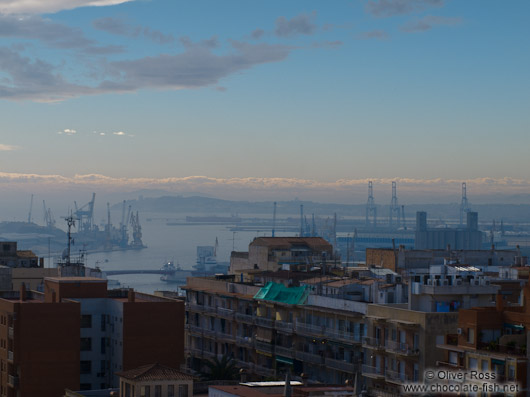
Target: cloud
{"x": 300, "y": 24}
{"x": 197, "y": 66}
{"x": 50, "y": 6}
{"x": 119, "y": 27}
{"x": 7, "y": 148}
{"x": 389, "y": 8}
{"x": 428, "y": 22}
{"x": 67, "y": 131}
{"x": 374, "y": 34}
{"x": 53, "y": 34}
{"x": 257, "y": 34}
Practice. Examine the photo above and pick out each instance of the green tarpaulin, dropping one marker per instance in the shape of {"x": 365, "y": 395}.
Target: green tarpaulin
{"x": 280, "y": 293}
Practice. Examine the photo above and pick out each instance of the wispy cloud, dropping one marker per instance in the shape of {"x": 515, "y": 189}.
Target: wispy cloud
{"x": 50, "y": 6}
{"x": 389, "y": 8}
{"x": 197, "y": 66}
{"x": 7, "y": 148}
{"x": 257, "y": 34}
{"x": 120, "y": 27}
{"x": 428, "y": 22}
{"x": 327, "y": 44}
{"x": 67, "y": 131}
{"x": 299, "y": 25}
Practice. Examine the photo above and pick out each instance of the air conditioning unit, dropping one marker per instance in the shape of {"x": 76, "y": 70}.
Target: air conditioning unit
{"x": 459, "y": 331}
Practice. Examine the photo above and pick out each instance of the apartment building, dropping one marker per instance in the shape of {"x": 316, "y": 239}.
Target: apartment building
{"x": 402, "y": 338}
{"x": 11, "y": 256}
{"x": 90, "y": 333}
{"x": 273, "y": 328}
{"x": 492, "y": 339}
{"x": 274, "y": 253}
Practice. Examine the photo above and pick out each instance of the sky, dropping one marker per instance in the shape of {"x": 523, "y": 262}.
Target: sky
{"x": 266, "y": 99}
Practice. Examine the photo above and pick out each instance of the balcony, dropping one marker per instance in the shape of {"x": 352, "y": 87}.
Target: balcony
{"x": 284, "y": 326}
{"x": 446, "y": 364}
{"x": 396, "y": 377}
{"x": 266, "y": 347}
{"x": 226, "y": 313}
{"x": 373, "y": 343}
{"x": 341, "y": 365}
{"x": 12, "y": 380}
{"x": 194, "y": 329}
{"x": 264, "y": 371}
{"x": 245, "y": 341}
{"x": 10, "y": 332}
{"x": 264, "y": 322}
{"x": 347, "y": 336}
{"x": 309, "y": 329}
{"x": 10, "y": 356}
{"x": 245, "y": 318}
{"x": 226, "y": 337}
{"x": 284, "y": 351}
{"x": 210, "y": 309}
{"x": 312, "y": 358}
{"x": 372, "y": 372}
{"x": 209, "y": 333}
{"x": 192, "y": 307}
{"x": 401, "y": 348}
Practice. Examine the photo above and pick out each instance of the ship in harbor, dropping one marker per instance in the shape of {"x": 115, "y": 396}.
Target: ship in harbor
{"x": 207, "y": 264}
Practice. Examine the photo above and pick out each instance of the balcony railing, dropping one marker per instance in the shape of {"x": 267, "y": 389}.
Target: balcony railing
{"x": 373, "y": 343}
{"x": 310, "y": 358}
{"x": 10, "y": 355}
{"x": 284, "y": 351}
{"x": 372, "y": 372}
{"x": 341, "y": 365}
{"x": 401, "y": 348}
{"x": 396, "y": 377}
{"x": 309, "y": 329}
{"x": 264, "y": 322}
{"x": 263, "y": 371}
{"x": 284, "y": 326}
{"x": 351, "y": 337}
{"x": 264, "y": 346}
{"x": 227, "y": 313}
{"x": 209, "y": 333}
{"x": 246, "y": 318}
{"x": 226, "y": 337}
{"x": 12, "y": 380}
{"x": 10, "y": 332}
{"x": 194, "y": 329}
{"x": 193, "y": 307}
{"x": 245, "y": 341}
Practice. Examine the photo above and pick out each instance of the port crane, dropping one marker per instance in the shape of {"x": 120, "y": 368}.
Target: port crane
{"x": 85, "y": 214}
{"x": 48, "y": 216}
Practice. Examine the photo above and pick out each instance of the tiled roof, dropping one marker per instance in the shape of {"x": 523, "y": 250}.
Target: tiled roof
{"x": 154, "y": 372}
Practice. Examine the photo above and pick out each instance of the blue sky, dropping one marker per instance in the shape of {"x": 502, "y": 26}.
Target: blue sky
{"x": 265, "y": 96}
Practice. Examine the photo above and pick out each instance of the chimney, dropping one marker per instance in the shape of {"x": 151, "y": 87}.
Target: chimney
{"x": 499, "y": 303}
{"x": 130, "y": 295}
{"x": 23, "y": 292}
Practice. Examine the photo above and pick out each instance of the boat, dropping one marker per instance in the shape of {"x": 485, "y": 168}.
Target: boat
{"x": 174, "y": 274}
{"x": 207, "y": 264}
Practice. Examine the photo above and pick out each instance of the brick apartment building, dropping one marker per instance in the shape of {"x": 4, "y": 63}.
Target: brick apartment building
{"x": 77, "y": 335}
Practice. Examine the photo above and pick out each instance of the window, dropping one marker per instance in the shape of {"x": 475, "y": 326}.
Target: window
{"x": 485, "y": 366}
{"x": 473, "y": 363}
{"x": 103, "y": 322}
{"x": 86, "y": 321}
{"x": 158, "y": 391}
{"x": 86, "y": 344}
{"x": 86, "y": 367}
{"x": 171, "y": 391}
{"x": 471, "y": 335}
{"x": 183, "y": 391}
{"x": 85, "y": 386}
{"x": 127, "y": 390}
{"x": 145, "y": 391}
{"x": 103, "y": 344}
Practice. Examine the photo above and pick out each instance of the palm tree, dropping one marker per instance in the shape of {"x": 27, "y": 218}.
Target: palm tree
{"x": 220, "y": 369}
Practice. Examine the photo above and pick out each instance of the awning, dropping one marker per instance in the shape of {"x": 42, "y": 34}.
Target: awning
{"x": 284, "y": 360}
{"x": 513, "y": 326}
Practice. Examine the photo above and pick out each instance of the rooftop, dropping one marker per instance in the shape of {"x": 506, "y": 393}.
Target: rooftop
{"x": 154, "y": 372}
{"x": 288, "y": 242}
{"x": 64, "y": 280}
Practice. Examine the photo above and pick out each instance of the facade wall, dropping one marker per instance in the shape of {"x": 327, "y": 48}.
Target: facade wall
{"x": 381, "y": 257}
{"x": 42, "y": 346}
{"x": 63, "y": 288}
